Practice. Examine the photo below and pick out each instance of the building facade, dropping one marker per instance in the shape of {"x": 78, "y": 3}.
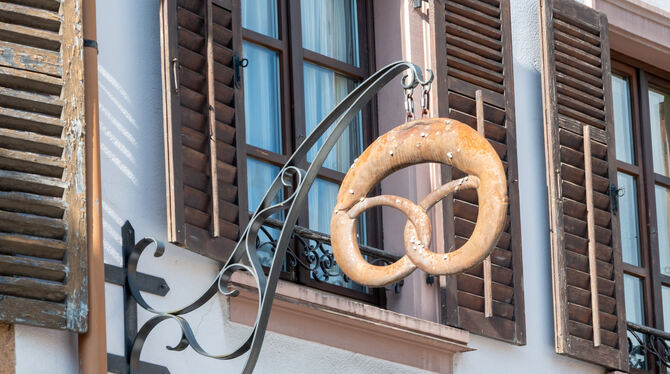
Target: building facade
{"x": 269, "y": 72}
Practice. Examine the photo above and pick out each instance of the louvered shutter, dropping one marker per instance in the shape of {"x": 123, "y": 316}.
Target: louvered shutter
{"x": 474, "y": 52}
{"x": 585, "y": 249}
{"x": 203, "y": 120}
{"x": 42, "y": 166}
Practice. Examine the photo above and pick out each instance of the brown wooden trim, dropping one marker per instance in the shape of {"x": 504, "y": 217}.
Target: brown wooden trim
{"x": 263, "y": 40}
{"x": 211, "y": 103}
{"x": 172, "y": 124}
{"x": 7, "y": 349}
{"x": 343, "y": 68}
{"x": 240, "y": 125}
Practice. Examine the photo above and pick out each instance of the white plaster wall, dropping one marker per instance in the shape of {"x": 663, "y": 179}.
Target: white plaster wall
{"x": 45, "y": 351}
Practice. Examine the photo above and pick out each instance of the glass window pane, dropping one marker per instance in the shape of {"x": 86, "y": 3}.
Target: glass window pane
{"x": 322, "y": 198}
{"x": 663, "y": 224}
{"x": 659, "y": 115}
{"x": 260, "y": 16}
{"x": 630, "y": 228}
{"x": 635, "y": 313}
{"x": 323, "y": 90}
{"x": 634, "y": 299}
{"x": 260, "y": 176}
{"x": 623, "y": 122}
{"x": 330, "y": 27}
{"x": 666, "y": 307}
{"x": 262, "y": 111}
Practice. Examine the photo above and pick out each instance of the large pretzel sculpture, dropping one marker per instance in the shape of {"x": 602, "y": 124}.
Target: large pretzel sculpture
{"x": 438, "y": 140}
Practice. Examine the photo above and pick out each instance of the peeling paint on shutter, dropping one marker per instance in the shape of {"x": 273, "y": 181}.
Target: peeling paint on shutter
{"x": 42, "y": 165}
{"x": 578, "y": 107}
{"x": 200, "y": 41}
{"x": 474, "y": 52}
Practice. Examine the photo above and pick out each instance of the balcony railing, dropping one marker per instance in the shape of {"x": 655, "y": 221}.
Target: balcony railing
{"x": 647, "y": 343}
{"x": 314, "y": 254}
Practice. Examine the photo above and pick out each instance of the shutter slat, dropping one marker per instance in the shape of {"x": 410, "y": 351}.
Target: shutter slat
{"x": 34, "y": 268}
{"x": 588, "y": 284}
{"x": 29, "y": 58}
{"x": 42, "y": 39}
{"x": 29, "y": 16}
{"x": 32, "y": 289}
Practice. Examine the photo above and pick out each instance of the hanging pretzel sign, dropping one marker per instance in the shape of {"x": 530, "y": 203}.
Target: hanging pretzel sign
{"x": 438, "y": 140}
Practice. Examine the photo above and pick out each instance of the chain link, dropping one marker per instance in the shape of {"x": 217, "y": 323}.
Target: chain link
{"x": 409, "y": 104}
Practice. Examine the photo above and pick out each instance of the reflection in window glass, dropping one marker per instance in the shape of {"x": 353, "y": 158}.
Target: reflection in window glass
{"x": 634, "y": 313}
{"x": 260, "y": 176}
{"x": 260, "y": 16}
{"x": 659, "y": 116}
{"x": 261, "y": 98}
{"x": 623, "y": 122}
{"x": 330, "y": 27}
{"x": 666, "y": 307}
{"x": 630, "y": 229}
{"x": 323, "y": 90}
{"x": 634, "y": 299}
{"x": 322, "y": 198}
{"x": 663, "y": 224}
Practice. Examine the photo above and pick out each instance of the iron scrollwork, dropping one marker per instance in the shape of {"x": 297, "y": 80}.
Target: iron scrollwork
{"x": 245, "y": 255}
{"x": 646, "y": 342}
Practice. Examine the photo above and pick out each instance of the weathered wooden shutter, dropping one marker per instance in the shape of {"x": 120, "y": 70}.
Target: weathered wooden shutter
{"x": 585, "y": 247}
{"x": 203, "y": 122}
{"x": 42, "y": 166}
{"x": 474, "y": 52}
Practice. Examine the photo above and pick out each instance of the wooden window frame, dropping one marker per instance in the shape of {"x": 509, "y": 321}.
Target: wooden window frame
{"x": 292, "y": 55}
{"x": 641, "y": 77}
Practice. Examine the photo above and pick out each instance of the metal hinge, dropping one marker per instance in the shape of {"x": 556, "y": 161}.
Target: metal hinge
{"x": 615, "y": 194}
{"x": 239, "y": 64}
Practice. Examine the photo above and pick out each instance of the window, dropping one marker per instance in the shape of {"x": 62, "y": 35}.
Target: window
{"x": 641, "y": 102}
{"x": 295, "y": 74}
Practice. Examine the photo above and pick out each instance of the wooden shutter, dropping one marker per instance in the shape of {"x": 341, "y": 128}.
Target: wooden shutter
{"x": 203, "y": 122}
{"x": 585, "y": 248}
{"x": 474, "y": 52}
{"x": 42, "y": 167}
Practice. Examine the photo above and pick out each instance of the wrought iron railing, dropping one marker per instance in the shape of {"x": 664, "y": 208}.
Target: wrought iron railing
{"x": 647, "y": 343}
{"x": 312, "y": 252}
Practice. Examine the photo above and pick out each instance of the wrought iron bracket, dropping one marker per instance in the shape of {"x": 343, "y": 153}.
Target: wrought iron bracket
{"x": 245, "y": 255}
{"x": 147, "y": 283}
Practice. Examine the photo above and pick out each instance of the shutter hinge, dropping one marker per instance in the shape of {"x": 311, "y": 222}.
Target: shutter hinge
{"x": 239, "y": 63}
{"x": 615, "y": 194}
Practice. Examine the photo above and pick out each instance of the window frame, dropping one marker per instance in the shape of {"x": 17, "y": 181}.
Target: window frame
{"x": 291, "y": 57}
{"x": 642, "y": 77}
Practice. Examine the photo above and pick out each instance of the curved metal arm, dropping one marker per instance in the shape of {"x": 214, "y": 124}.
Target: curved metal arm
{"x": 337, "y": 121}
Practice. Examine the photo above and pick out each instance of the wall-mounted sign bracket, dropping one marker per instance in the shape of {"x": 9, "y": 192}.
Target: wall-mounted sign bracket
{"x": 146, "y": 283}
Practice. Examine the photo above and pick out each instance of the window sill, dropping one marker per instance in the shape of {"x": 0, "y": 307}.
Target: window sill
{"x": 337, "y": 321}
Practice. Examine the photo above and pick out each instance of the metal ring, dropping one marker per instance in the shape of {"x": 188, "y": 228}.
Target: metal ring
{"x": 436, "y": 140}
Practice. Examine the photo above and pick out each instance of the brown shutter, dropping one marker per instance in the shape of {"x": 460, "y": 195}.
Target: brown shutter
{"x": 474, "y": 52}
{"x": 585, "y": 243}
{"x": 42, "y": 167}
{"x": 203, "y": 122}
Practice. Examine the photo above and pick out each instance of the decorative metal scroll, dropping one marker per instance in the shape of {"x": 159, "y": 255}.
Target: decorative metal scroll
{"x": 245, "y": 255}
{"x": 644, "y": 343}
